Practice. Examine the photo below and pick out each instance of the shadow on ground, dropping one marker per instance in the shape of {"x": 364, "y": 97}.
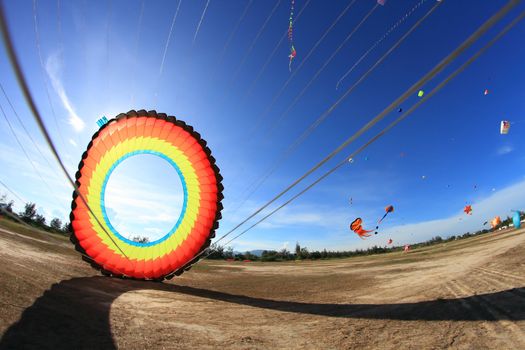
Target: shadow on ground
{"x": 75, "y": 314}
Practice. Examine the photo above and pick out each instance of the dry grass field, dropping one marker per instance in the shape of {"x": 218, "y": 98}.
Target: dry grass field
{"x": 466, "y": 294}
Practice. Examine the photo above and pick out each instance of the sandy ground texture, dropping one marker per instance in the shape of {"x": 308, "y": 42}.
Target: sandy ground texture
{"x": 467, "y": 294}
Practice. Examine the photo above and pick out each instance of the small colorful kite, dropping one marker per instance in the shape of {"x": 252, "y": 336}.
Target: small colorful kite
{"x": 486, "y": 92}
{"x": 291, "y": 56}
{"x": 504, "y": 128}
{"x": 293, "y": 53}
{"x": 495, "y": 222}
{"x": 468, "y": 209}
{"x": 381, "y": 2}
{"x": 389, "y": 209}
{"x": 390, "y": 241}
{"x": 358, "y": 229}
{"x": 420, "y": 93}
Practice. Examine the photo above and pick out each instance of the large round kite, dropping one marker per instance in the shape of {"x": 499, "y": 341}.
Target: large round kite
{"x": 171, "y": 139}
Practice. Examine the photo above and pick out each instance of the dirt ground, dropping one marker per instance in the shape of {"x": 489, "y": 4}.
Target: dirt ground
{"x": 467, "y": 294}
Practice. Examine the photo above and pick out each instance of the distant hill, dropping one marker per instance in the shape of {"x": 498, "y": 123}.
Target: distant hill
{"x": 257, "y": 252}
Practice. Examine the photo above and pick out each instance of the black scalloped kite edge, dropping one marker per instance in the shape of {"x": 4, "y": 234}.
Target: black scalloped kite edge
{"x": 218, "y": 177}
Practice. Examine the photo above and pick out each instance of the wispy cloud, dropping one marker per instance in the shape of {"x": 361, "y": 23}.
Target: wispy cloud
{"x": 71, "y": 141}
{"x": 505, "y": 150}
{"x": 53, "y": 68}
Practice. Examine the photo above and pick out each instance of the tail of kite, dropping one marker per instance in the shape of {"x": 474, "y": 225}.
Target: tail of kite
{"x": 384, "y": 216}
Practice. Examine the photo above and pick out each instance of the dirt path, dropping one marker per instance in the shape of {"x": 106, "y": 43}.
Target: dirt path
{"x": 467, "y": 294}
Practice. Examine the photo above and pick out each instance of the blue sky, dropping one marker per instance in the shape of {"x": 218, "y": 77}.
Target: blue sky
{"x": 97, "y": 61}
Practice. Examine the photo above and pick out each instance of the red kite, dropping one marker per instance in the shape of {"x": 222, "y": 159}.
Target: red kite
{"x": 358, "y": 229}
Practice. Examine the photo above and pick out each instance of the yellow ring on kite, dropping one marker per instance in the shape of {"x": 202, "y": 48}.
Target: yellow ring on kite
{"x": 95, "y": 201}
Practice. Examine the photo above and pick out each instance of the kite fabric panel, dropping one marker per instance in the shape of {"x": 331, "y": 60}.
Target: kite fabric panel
{"x": 176, "y": 142}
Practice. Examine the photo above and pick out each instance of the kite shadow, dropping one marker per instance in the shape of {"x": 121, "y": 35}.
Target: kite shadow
{"x": 75, "y": 313}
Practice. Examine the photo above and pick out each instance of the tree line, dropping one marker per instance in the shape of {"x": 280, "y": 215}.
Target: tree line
{"x": 30, "y": 216}
{"x": 303, "y": 253}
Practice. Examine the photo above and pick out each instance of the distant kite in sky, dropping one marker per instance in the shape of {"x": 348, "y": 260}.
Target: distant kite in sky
{"x": 389, "y": 209}
{"x": 504, "y": 127}
{"x": 291, "y": 56}
{"x": 486, "y": 92}
{"x": 399, "y": 110}
{"x": 420, "y": 93}
{"x": 358, "y": 229}
{"x": 381, "y": 2}
{"x": 293, "y": 53}
{"x": 468, "y": 209}
{"x": 390, "y": 241}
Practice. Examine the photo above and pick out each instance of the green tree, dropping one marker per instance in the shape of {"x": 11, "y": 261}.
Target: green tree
{"x": 40, "y": 220}
{"x": 285, "y": 254}
{"x": 269, "y": 255}
{"x": 29, "y": 212}
{"x": 304, "y": 254}
{"x": 6, "y": 204}
{"x": 56, "y": 224}
{"x": 68, "y": 228}
{"x": 140, "y": 239}
{"x": 297, "y": 250}
{"x": 228, "y": 253}
{"x": 250, "y": 256}
{"x": 217, "y": 252}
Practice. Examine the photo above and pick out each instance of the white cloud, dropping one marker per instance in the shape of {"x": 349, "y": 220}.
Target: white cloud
{"x": 53, "y": 68}
{"x": 71, "y": 141}
{"x": 505, "y": 150}
{"x": 154, "y": 230}
{"x": 143, "y": 207}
